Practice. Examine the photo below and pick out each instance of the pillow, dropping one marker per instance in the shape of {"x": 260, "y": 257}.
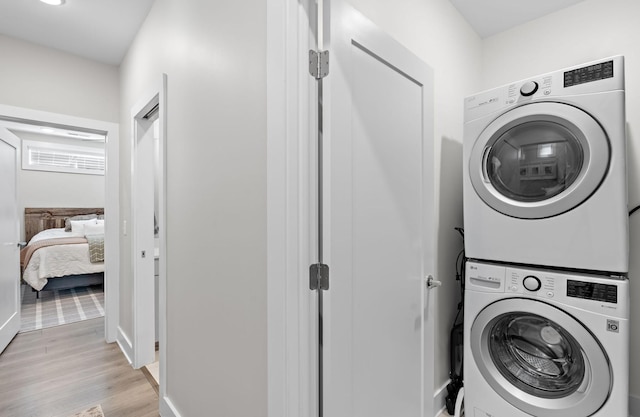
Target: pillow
{"x": 100, "y": 221}
{"x": 67, "y": 221}
{"x": 77, "y": 226}
{"x": 100, "y": 216}
{"x": 93, "y": 229}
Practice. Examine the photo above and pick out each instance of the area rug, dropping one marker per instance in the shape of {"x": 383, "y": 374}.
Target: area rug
{"x": 91, "y": 412}
{"x": 57, "y": 307}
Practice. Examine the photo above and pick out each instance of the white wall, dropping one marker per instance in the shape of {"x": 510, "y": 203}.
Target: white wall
{"x": 56, "y": 189}
{"x": 588, "y": 31}
{"x": 435, "y": 32}
{"x": 214, "y": 55}
{"x": 41, "y": 78}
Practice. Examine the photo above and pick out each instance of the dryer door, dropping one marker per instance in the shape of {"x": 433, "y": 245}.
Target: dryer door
{"x": 540, "y": 359}
{"x": 539, "y": 160}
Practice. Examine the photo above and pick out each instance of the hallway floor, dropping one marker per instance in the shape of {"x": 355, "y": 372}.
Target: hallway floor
{"x": 62, "y": 370}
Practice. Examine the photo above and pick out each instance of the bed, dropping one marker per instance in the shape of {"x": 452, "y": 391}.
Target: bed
{"x": 65, "y": 248}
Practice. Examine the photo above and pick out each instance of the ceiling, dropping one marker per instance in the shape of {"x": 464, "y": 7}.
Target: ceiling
{"x": 102, "y": 30}
{"x": 488, "y": 17}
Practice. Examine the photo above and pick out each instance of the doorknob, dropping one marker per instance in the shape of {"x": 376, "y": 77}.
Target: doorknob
{"x": 432, "y": 283}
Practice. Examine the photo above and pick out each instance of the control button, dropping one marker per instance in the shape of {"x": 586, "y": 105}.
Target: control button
{"x": 550, "y": 294}
{"x": 514, "y": 288}
{"x": 531, "y": 283}
{"x": 547, "y": 92}
{"x": 529, "y": 88}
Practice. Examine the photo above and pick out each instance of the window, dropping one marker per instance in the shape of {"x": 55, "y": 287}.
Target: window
{"x": 57, "y": 157}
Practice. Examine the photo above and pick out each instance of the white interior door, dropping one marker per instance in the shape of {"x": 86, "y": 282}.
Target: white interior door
{"x": 143, "y": 236}
{"x": 379, "y": 232}
{"x": 9, "y": 235}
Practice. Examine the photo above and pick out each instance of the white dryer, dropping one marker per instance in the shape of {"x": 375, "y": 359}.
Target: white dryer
{"x": 543, "y": 343}
{"x": 545, "y": 170}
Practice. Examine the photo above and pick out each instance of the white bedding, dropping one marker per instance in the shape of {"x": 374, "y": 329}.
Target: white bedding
{"x": 57, "y": 261}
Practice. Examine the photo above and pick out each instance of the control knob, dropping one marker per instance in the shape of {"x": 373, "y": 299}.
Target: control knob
{"x": 529, "y": 88}
{"x": 531, "y": 283}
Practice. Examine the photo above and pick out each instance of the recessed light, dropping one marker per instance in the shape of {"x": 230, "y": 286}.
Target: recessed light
{"x": 54, "y": 2}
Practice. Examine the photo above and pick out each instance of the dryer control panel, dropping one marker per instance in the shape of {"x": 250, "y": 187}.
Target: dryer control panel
{"x": 589, "y": 78}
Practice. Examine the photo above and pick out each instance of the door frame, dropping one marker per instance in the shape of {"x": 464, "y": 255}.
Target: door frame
{"x": 141, "y": 345}
{"x": 291, "y": 307}
{"x": 112, "y": 198}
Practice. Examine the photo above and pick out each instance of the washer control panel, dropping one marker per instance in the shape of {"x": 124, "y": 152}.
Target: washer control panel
{"x": 536, "y": 284}
{"x": 608, "y": 295}
{"x": 531, "y": 283}
{"x": 485, "y": 278}
{"x": 529, "y": 88}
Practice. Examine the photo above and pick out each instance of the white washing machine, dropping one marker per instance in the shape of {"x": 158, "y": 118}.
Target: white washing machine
{"x": 544, "y": 343}
{"x": 545, "y": 170}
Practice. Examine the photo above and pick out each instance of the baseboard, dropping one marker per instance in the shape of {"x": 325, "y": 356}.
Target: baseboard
{"x": 9, "y": 329}
{"x": 634, "y": 406}
{"x": 167, "y": 409}
{"x": 125, "y": 345}
{"x": 439, "y": 398}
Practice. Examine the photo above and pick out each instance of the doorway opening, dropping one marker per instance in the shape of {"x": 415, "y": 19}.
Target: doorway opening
{"x": 148, "y": 121}
{"x": 39, "y": 137}
{"x": 61, "y": 184}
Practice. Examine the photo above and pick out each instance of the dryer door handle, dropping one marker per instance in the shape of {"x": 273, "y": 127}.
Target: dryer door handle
{"x": 485, "y": 162}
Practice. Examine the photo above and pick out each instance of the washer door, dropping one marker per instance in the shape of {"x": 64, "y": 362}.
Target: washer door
{"x": 539, "y": 160}
{"x": 540, "y": 359}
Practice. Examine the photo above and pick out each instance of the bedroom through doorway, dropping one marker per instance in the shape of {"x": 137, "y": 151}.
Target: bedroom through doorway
{"x": 62, "y": 192}
{"x": 61, "y": 195}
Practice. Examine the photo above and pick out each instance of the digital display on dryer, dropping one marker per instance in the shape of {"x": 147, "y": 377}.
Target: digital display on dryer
{"x": 592, "y": 291}
{"x": 588, "y": 74}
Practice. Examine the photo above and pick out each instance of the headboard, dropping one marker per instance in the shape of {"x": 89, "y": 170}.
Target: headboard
{"x": 39, "y": 219}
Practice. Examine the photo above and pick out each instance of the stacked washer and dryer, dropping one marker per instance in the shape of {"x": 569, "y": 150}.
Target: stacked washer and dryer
{"x": 546, "y": 315}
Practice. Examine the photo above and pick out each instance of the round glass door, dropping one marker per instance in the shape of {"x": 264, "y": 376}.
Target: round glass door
{"x": 535, "y": 161}
{"x": 540, "y": 359}
{"x": 539, "y": 160}
{"x": 536, "y": 355}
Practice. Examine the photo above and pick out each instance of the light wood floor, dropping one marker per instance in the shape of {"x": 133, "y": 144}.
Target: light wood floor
{"x": 59, "y": 371}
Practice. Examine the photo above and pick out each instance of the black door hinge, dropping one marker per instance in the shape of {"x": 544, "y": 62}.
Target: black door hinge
{"x": 319, "y": 277}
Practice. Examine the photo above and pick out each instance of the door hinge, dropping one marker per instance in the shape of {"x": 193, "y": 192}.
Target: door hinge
{"x": 319, "y": 277}
{"x": 318, "y": 64}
